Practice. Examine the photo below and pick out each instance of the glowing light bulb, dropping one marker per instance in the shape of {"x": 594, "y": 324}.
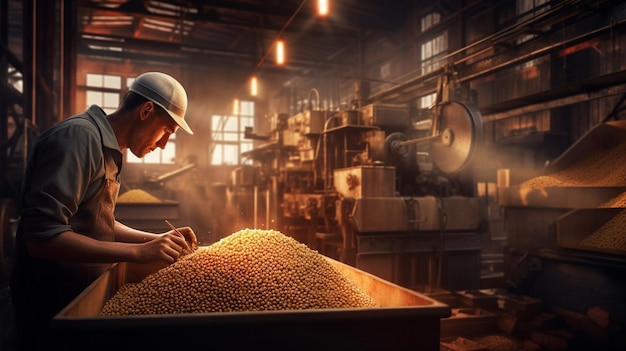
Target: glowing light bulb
{"x": 253, "y": 86}
{"x": 322, "y": 7}
{"x": 280, "y": 52}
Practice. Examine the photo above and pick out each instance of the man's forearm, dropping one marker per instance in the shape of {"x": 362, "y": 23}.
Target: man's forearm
{"x": 126, "y": 234}
{"x": 71, "y": 246}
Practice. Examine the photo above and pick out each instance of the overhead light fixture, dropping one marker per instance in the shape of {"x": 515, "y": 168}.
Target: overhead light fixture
{"x": 280, "y": 52}
{"x": 253, "y": 86}
{"x": 323, "y": 7}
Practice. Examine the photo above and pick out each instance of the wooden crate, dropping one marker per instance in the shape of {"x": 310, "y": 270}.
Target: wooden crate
{"x": 406, "y": 320}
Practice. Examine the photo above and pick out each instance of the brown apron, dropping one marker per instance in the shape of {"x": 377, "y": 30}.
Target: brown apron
{"x": 52, "y": 285}
{"x": 95, "y": 218}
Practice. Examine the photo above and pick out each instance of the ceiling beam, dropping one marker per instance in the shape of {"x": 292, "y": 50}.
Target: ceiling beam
{"x": 313, "y": 27}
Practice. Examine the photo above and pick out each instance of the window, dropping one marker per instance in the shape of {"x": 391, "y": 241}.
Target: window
{"x": 426, "y": 102}
{"x": 432, "y": 49}
{"x": 15, "y": 78}
{"x": 158, "y": 156}
{"x": 529, "y": 8}
{"x": 526, "y": 9}
{"x": 228, "y": 134}
{"x": 430, "y": 20}
{"x": 105, "y": 91}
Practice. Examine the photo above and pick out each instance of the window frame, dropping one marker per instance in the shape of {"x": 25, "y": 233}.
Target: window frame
{"x": 228, "y": 135}
{"x": 434, "y": 48}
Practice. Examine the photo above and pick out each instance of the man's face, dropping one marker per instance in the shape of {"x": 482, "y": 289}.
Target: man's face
{"x": 154, "y": 131}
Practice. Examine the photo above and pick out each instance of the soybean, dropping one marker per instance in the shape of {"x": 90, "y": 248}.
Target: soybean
{"x": 609, "y": 236}
{"x": 617, "y": 202}
{"x": 601, "y": 168}
{"x": 137, "y": 195}
{"x": 251, "y": 270}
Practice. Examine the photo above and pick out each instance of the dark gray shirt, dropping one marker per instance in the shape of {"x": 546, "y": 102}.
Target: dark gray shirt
{"x": 65, "y": 167}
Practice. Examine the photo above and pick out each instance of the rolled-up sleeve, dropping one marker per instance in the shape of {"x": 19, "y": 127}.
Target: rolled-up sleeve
{"x": 64, "y": 167}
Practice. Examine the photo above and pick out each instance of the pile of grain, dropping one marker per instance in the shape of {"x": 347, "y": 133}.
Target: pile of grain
{"x": 251, "y": 270}
{"x": 610, "y": 236}
{"x": 137, "y": 196}
{"x": 601, "y": 168}
{"x": 616, "y": 202}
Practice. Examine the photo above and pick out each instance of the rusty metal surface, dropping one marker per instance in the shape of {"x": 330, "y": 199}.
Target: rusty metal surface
{"x": 403, "y": 214}
{"x": 387, "y": 115}
{"x": 365, "y": 181}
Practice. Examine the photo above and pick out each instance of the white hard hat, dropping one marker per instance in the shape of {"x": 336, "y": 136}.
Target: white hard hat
{"x": 166, "y": 92}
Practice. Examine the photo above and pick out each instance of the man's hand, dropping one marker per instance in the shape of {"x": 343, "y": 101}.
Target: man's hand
{"x": 168, "y": 247}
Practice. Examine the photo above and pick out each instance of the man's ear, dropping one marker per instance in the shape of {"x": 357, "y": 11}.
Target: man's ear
{"x": 146, "y": 110}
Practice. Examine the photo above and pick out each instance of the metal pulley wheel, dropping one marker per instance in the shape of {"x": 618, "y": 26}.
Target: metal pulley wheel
{"x": 8, "y": 222}
{"x": 460, "y": 130}
{"x": 394, "y": 147}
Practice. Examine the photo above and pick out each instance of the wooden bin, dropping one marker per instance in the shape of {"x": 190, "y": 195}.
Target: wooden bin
{"x": 406, "y": 320}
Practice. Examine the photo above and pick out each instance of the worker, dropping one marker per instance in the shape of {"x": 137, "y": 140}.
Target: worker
{"x": 67, "y": 234}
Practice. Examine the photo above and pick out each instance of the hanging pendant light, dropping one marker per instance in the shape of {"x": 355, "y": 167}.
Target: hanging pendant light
{"x": 280, "y": 52}
{"x": 253, "y": 86}
{"x": 323, "y": 8}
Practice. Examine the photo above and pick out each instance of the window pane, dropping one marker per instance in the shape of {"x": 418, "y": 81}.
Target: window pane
{"x": 231, "y": 125}
{"x": 217, "y": 122}
{"x": 227, "y": 134}
{"x": 113, "y": 82}
{"x": 152, "y": 157}
{"x": 436, "y": 45}
{"x": 246, "y": 147}
{"x": 426, "y": 50}
{"x": 231, "y": 137}
{"x": 427, "y": 101}
{"x": 231, "y": 154}
{"x": 94, "y": 97}
{"x": 94, "y": 80}
{"x": 246, "y": 122}
{"x": 168, "y": 155}
{"x": 425, "y": 23}
{"x": 247, "y": 108}
{"x": 111, "y": 99}
{"x": 131, "y": 158}
{"x": 216, "y": 158}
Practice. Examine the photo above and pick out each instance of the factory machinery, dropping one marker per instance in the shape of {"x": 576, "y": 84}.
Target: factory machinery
{"x": 375, "y": 188}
